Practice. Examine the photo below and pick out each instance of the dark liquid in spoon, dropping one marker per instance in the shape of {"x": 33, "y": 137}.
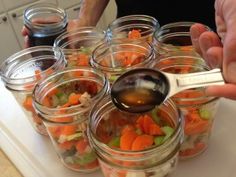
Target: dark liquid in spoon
{"x": 139, "y": 91}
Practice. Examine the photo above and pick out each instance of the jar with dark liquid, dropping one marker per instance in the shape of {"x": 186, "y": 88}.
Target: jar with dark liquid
{"x": 45, "y": 23}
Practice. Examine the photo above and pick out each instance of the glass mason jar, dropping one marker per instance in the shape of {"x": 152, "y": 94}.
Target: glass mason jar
{"x": 78, "y": 45}
{"x": 45, "y": 22}
{"x": 134, "y": 27}
{"x": 174, "y": 39}
{"x": 136, "y": 144}
{"x": 198, "y": 109}
{"x": 115, "y": 57}
{"x": 63, "y": 101}
{"x": 21, "y": 72}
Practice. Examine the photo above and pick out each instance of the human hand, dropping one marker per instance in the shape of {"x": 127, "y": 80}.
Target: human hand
{"x": 220, "y": 52}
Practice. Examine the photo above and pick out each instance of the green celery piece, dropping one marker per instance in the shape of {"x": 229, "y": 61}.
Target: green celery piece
{"x": 113, "y": 78}
{"x": 85, "y": 50}
{"x": 155, "y": 117}
{"x": 204, "y": 114}
{"x": 63, "y": 98}
{"x": 114, "y": 142}
{"x": 159, "y": 140}
{"x": 168, "y": 132}
{"x": 75, "y": 136}
{"x": 85, "y": 158}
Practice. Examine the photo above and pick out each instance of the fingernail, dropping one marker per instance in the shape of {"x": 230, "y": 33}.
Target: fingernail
{"x": 231, "y": 72}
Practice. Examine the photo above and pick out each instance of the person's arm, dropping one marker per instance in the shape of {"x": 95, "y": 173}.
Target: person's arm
{"x": 91, "y": 11}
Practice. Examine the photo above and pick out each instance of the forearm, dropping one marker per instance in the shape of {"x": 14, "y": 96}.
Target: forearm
{"x": 91, "y": 11}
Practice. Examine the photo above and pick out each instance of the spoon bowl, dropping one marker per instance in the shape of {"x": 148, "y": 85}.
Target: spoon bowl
{"x": 140, "y": 90}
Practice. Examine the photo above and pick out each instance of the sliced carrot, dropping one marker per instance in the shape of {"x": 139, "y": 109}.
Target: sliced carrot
{"x": 127, "y": 139}
{"x": 67, "y": 145}
{"x": 46, "y": 101}
{"x": 28, "y": 104}
{"x": 68, "y": 129}
{"x": 81, "y": 145}
{"x": 55, "y": 131}
{"x": 36, "y": 118}
{"x": 147, "y": 122}
{"x": 37, "y": 74}
{"x": 128, "y": 127}
{"x": 82, "y": 59}
{"x": 92, "y": 164}
{"x": 200, "y": 126}
{"x": 142, "y": 142}
{"x": 199, "y": 147}
{"x": 74, "y": 99}
{"x": 155, "y": 129}
{"x": 134, "y": 34}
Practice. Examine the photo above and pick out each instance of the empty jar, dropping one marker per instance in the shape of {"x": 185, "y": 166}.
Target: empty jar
{"x": 116, "y": 57}
{"x": 174, "y": 39}
{"x": 44, "y": 22}
{"x": 136, "y": 144}
{"x": 198, "y": 109}
{"x": 134, "y": 27}
{"x": 78, "y": 45}
{"x": 21, "y": 72}
{"x": 64, "y": 100}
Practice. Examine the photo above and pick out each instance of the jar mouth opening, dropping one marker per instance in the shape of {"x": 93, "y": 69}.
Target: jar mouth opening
{"x": 19, "y": 71}
{"x": 45, "y": 17}
{"x": 106, "y": 53}
{"x": 134, "y": 19}
{"x": 43, "y": 88}
{"x": 176, "y": 29}
{"x": 129, "y": 155}
{"x": 82, "y": 37}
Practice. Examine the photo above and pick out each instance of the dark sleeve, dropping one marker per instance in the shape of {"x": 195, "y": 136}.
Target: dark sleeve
{"x": 167, "y": 11}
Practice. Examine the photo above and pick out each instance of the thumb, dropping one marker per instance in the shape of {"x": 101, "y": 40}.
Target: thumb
{"x": 229, "y": 50}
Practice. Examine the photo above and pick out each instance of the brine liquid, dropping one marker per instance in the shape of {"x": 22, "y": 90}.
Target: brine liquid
{"x": 138, "y": 99}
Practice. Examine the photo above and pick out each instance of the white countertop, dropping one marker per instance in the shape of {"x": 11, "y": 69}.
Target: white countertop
{"x": 34, "y": 156}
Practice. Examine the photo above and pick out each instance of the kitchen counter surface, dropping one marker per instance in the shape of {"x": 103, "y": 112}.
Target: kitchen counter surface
{"x": 34, "y": 155}
{"x": 7, "y": 168}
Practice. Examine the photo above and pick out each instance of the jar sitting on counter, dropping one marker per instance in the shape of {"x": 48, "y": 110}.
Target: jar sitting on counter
{"x": 44, "y": 22}
{"x": 21, "y": 72}
{"x": 174, "y": 39}
{"x": 140, "y": 145}
{"x": 64, "y": 101}
{"x": 133, "y": 27}
{"x": 77, "y": 45}
{"x": 116, "y": 57}
{"x": 197, "y": 108}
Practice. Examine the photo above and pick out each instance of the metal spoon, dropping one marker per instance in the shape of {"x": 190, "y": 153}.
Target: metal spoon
{"x": 140, "y": 90}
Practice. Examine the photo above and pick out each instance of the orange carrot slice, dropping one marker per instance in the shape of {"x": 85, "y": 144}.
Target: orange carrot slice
{"x": 68, "y": 130}
{"x": 127, "y": 139}
{"x": 81, "y": 145}
{"x": 28, "y": 104}
{"x": 67, "y": 145}
{"x": 74, "y": 99}
{"x": 142, "y": 142}
{"x": 134, "y": 34}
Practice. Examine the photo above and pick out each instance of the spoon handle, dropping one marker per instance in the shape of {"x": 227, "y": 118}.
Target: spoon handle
{"x": 195, "y": 80}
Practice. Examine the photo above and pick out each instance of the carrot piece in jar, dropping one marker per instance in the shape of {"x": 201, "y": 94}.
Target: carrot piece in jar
{"x": 28, "y": 104}
{"x": 127, "y": 139}
{"x": 81, "y": 145}
{"x": 68, "y": 130}
{"x": 142, "y": 142}
{"x": 74, "y": 99}
{"x": 134, "y": 34}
